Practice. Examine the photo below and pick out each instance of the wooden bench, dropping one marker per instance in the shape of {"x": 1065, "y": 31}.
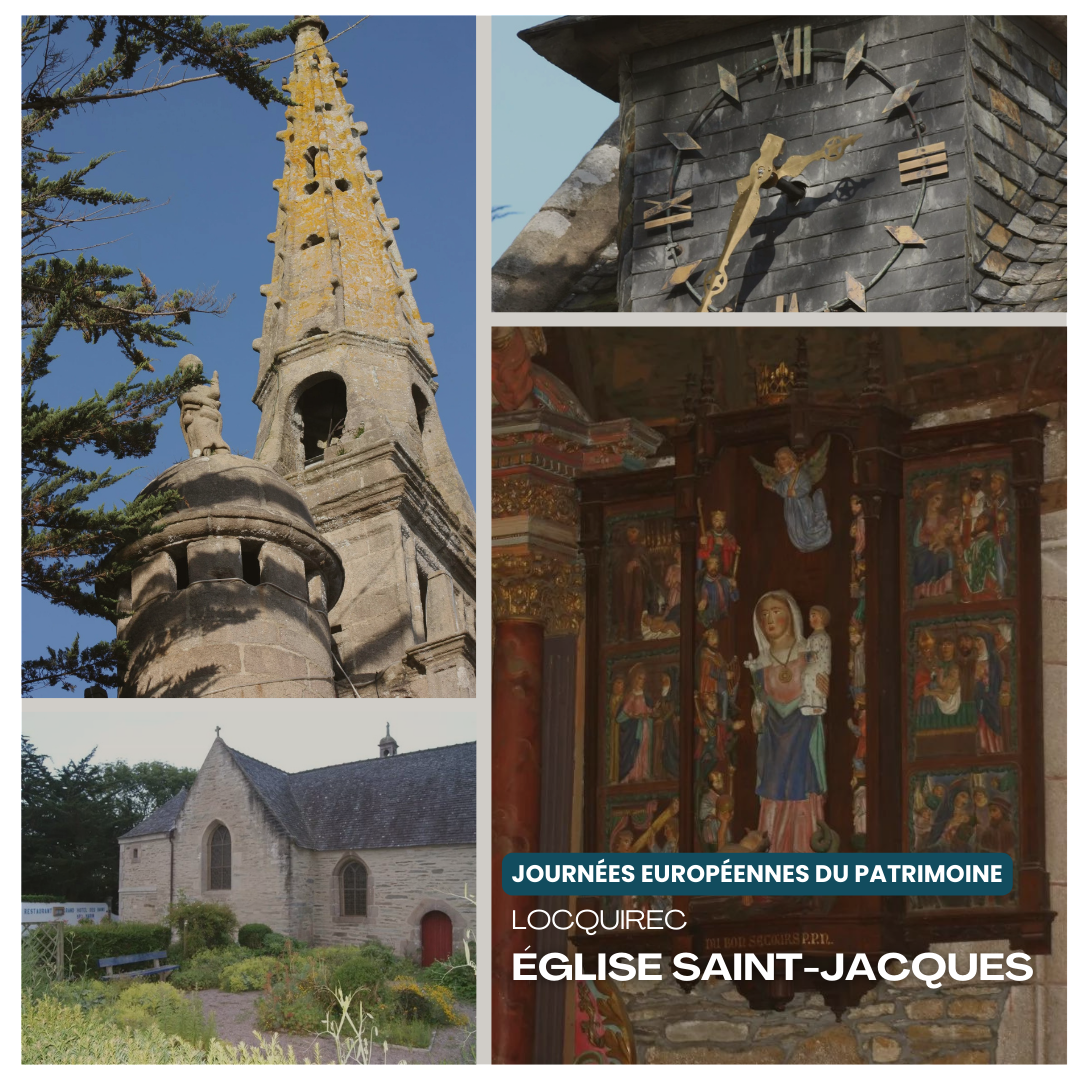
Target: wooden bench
{"x": 158, "y": 969}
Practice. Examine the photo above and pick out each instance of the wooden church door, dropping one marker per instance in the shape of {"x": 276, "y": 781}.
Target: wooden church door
{"x": 436, "y": 937}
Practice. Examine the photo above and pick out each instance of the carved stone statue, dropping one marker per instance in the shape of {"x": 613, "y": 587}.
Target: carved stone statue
{"x": 200, "y": 414}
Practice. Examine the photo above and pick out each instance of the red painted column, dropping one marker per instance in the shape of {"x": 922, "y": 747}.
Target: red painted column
{"x": 516, "y": 699}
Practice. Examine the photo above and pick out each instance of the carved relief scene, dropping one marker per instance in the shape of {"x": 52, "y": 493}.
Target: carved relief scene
{"x": 964, "y": 811}
{"x": 961, "y": 531}
{"x": 644, "y": 575}
{"x": 961, "y": 673}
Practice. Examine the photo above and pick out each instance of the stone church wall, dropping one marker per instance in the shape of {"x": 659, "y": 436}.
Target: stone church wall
{"x": 144, "y": 877}
{"x": 261, "y": 855}
{"x": 403, "y": 885}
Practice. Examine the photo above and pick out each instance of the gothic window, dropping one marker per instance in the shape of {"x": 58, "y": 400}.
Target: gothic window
{"x": 354, "y": 889}
{"x": 221, "y": 859}
{"x": 322, "y": 409}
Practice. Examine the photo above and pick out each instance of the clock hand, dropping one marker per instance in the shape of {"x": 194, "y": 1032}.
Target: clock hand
{"x": 833, "y": 150}
{"x": 743, "y": 213}
{"x": 763, "y": 174}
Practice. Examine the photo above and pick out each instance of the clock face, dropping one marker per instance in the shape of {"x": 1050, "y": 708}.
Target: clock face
{"x": 773, "y": 187}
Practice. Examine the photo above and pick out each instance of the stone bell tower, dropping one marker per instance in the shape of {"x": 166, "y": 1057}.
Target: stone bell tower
{"x": 346, "y": 387}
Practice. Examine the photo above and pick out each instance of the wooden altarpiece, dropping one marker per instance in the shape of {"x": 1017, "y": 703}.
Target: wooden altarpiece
{"x": 932, "y": 727}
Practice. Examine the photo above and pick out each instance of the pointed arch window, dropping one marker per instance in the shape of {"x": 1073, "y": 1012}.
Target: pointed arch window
{"x": 354, "y": 880}
{"x": 221, "y": 859}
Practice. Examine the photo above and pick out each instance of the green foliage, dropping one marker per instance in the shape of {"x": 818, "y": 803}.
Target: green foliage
{"x": 252, "y": 935}
{"x": 417, "y": 1001}
{"x": 456, "y": 974}
{"x": 250, "y": 974}
{"x": 72, "y": 818}
{"x": 159, "y": 1005}
{"x": 43, "y": 898}
{"x": 201, "y": 924}
{"x": 366, "y": 970}
{"x": 85, "y": 945}
{"x": 276, "y": 943}
{"x": 146, "y": 785}
{"x": 291, "y": 1001}
{"x": 66, "y": 544}
{"x": 203, "y": 970}
{"x": 56, "y": 1033}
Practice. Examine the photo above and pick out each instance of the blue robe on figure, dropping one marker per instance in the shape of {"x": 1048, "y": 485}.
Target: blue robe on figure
{"x": 805, "y": 515}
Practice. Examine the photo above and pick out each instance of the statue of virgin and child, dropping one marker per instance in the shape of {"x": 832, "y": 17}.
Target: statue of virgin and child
{"x": 791, "y": 685}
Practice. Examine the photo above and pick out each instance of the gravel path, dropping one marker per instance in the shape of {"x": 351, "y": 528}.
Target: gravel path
{"x": 234, "y": 1015}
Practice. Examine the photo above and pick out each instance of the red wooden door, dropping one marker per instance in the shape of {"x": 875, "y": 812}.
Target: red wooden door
{"x": 436, "y": 937}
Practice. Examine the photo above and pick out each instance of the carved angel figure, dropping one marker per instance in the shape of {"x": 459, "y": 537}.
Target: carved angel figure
{"x": 793, "y": 479}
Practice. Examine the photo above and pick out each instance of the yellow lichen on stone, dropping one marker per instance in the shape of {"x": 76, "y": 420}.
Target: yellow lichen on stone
{"x": 336, "y": 262}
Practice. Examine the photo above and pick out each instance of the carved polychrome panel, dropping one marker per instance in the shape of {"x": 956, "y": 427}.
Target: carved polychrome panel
{"x": 964, "y": 811}
{"x": 960, "y": 675}
{"x": 643, "y": 576}
{"x": 959, "y": 535}
{"x": 603, "y": 1034}
{"x": 717, "y": 723}
{"x": 641, "y": 718}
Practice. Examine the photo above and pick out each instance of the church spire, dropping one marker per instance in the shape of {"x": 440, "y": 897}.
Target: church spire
{"x": 337, "y": 266}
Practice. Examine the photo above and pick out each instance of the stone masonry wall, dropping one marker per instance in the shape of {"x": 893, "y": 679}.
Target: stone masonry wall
{"x": 144, "y": 878}
{"x": 1017, "y": 144}
{"x": 900, "y": 1022}
{"x": 262, "y": 871}
{"x": 403, "y": 885}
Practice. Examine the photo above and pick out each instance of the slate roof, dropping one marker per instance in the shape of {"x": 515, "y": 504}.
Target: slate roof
{"x": 163, "y": 819}
{"x": 420, "y": 799}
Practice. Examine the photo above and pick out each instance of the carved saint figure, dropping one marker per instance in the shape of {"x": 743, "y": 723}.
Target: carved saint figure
{"x": 636, "y": 589}
{"x": 935, "y": 531}
{"x": 793, "y": 480}
{"x": 791, "y": 782}
{"x": 200, "y": 415}
{"x": 718, "y": 568}
{"x": 715, "y": 811}
{"x": 635, "y": 726}
{"x": 818, "y": 661}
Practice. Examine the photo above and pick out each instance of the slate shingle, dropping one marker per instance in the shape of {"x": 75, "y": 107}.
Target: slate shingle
{"x": 420, "y": 799}
{"x": 163, "y": 819}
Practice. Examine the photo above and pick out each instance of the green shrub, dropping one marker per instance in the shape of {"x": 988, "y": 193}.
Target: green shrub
{"x": 43, "y": 899}
{"x": 85, "y": 945}
{"x": 157, "y": 1004}
{"x": 279, "y": 944}
{"x": 252, "y": 935}
{"x": 456, "y": 974}
{"x": 203, "y": 970}
{"x": 433, "y": 1004}
{"x": 87, "y": 993}
{"x": 249, "y": 974}
{"x": 367, "y": 969}
{"x": 57, "y": 1034}
{"x": 292, "y": 1002}
{"x": 201, "y": 925}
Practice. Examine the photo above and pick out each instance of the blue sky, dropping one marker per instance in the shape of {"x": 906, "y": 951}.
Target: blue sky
{"x": 208, "y": 152}
{"x": 543, "y": 122}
